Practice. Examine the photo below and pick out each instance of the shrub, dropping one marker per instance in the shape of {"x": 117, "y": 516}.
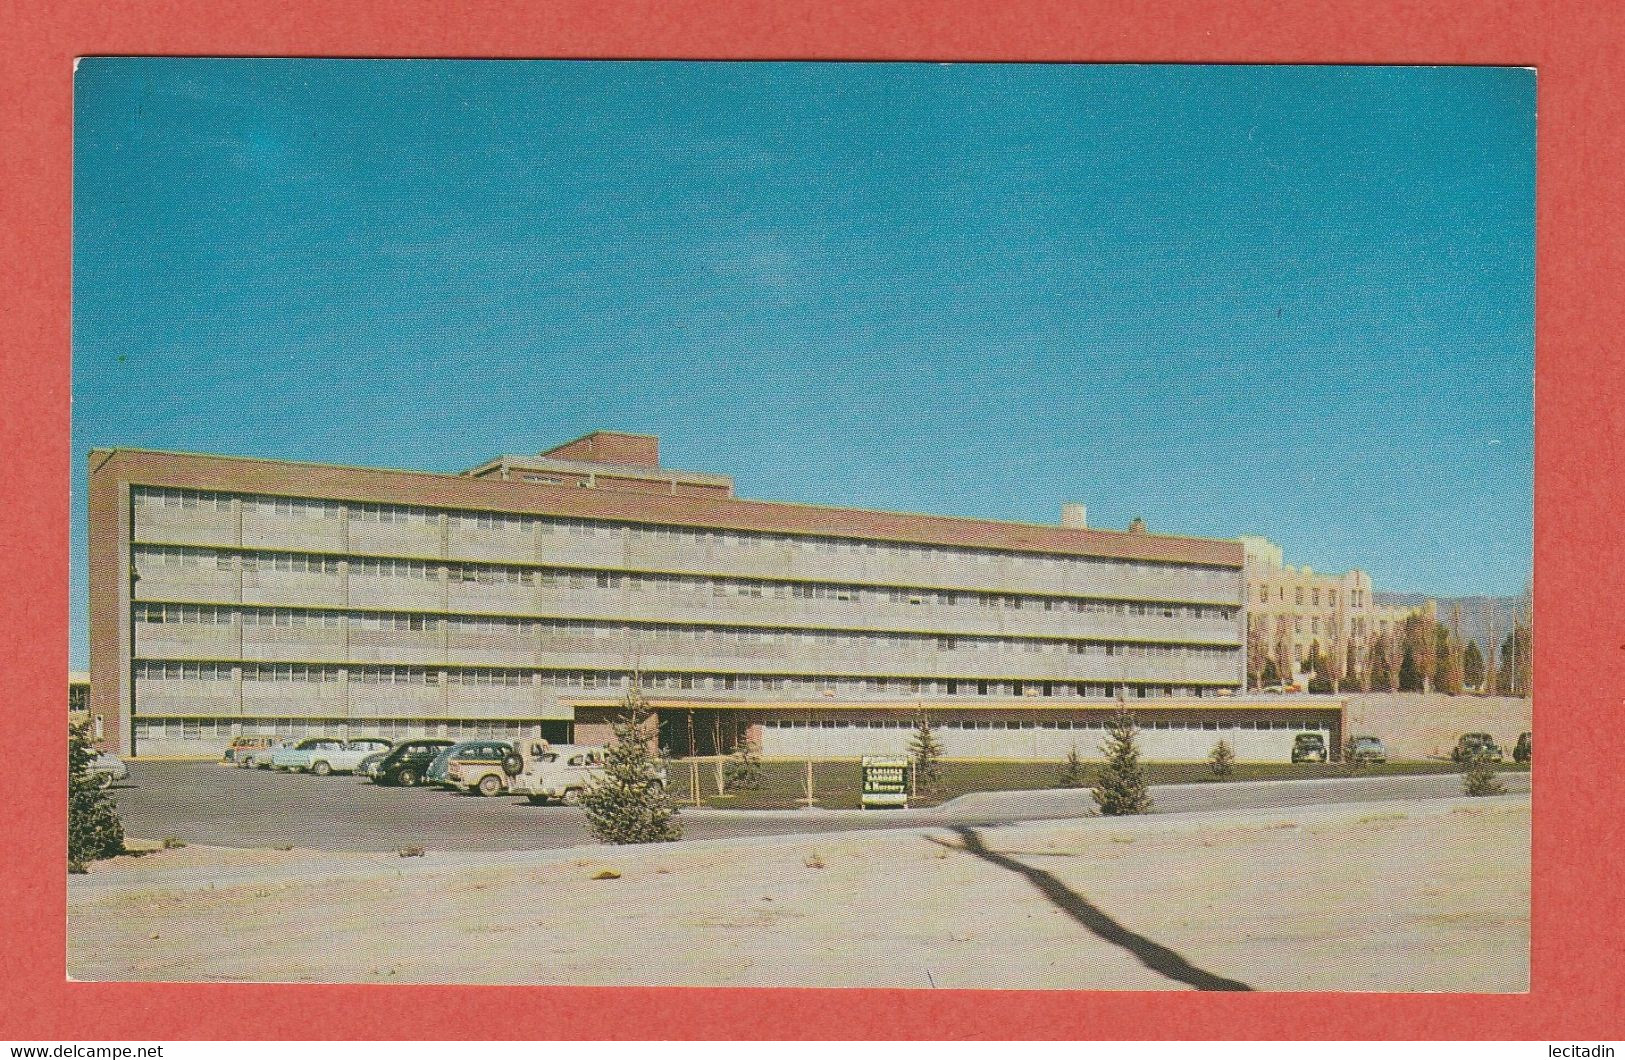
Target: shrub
{"x": 1481, "y": 779}
{"x": 94, "y": 828}
{"x": 1221, "y": 760}
{"x": 628, "y": 803}
{"x": 1121, "y": 787}
{"x": 743, "y": 771}
{"x": 1074, "y": 775}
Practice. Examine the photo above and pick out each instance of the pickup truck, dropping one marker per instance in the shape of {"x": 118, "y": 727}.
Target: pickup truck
{"x": 544, "y": 772}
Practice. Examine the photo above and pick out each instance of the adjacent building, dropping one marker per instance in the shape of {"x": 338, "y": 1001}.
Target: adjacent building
{"x": 1293, "y": 611}
{"x": 243, "y": 596}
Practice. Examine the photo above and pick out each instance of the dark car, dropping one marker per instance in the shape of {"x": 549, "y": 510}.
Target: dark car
{"x": 1309, "y": 747}
{"x": 405, "y": 765}
{"x": 1475, "y": 745}
{"x": 1523, "y": 750}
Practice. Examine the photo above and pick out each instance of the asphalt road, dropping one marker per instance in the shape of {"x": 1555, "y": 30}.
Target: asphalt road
{"x": 214, "y": 805}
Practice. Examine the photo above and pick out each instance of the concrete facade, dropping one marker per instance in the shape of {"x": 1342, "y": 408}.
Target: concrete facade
{"x": 246, "y": 596}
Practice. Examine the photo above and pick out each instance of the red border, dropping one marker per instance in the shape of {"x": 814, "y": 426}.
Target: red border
{"x": 1579, "y": 934}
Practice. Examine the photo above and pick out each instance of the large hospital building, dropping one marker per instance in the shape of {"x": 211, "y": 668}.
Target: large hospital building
{"x": 242, "y": 596}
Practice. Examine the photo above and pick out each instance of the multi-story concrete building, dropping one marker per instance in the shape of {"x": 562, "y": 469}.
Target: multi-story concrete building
{"x": 233, "y": 595}
{"x": 1293, "y": 610}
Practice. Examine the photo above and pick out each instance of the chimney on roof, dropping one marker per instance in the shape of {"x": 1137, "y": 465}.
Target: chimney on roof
{"x": 1137, "y": 526}
{"x": 1074, "y": 516}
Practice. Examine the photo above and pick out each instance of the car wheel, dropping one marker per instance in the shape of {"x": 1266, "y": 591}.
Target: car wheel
{"x": 407, "y": 778}
{"x": 572, "y": 797}
{"x": 490, "y": 786}
{"x": 321, "y": 769}
{"x": 104, "y": 780}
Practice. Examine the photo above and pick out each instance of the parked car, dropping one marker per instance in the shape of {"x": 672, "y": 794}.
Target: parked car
{"x": 241, "y": 747}
{"x": 1368, "y": 749}
{"x": 368, "y": 766}
{"x": 436, "y": 773}
{"x": 260, "y": 757}
{"x": 1309, "y": 747}
{"x": 406, "y": 762}
{"x": 544, "y": 772}
{"x": 108, "y": 768}
{"x": 297, "y": 759}
{"x": 1523, "y": 750}
{"x": 325, "y": 756}
{"x": 477, "y": 767}
{"x": 1474, "y": 745}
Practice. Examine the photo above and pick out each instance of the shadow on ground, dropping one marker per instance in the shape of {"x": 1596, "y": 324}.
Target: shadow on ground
{"x": 1154, "y": 956}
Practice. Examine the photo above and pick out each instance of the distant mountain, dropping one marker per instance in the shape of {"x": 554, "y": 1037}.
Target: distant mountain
{"x": 1478, "y": 613}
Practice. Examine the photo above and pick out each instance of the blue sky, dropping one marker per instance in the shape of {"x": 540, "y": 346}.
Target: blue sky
{"x": 1295, "y": 301}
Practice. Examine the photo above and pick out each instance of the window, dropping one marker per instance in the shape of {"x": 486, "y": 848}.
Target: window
{"x": 1297, "y": 595}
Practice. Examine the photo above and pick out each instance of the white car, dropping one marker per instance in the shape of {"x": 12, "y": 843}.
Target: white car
{"x": 260, "y": 757}
{"x": 544, "y": 772}
{"x": 108, "y": 768}
{"x": 322, "y": 755}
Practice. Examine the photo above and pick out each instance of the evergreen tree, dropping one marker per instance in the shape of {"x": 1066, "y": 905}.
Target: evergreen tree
{"x": 1472, "y": 666}
{"x": 926, "y": 752}
{"x": 94, "y": 828}
{"x": 1074, "y": 775}
{"x": 1410, "y": 675}
{"x": 744, "y": 768}
{"x": 1270, "y": 676}
{"x": 1379, "y": 675}
{"x": 628, "y": 802}
{"x": 1221, "y": 760}
{"x": 1121, "y": 787}
{"x": 1353, "y": 678}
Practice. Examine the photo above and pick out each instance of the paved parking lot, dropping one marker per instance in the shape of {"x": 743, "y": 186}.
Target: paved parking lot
{"x": 207, "y": 803}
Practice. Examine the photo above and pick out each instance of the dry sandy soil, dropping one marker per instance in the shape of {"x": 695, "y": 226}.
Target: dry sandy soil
{"x": 1416, "y": 726}
{"x": 1379, "y": 896}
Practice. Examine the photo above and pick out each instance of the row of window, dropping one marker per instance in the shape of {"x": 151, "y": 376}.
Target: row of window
{"x": 688, "y": 536}
{"x": 1356, "y": 597}
{"x": 356, "y": 728}
{"x": 304, "y": 673}
{"x": 680, "y": 584}
{"x": 619, "y": 635}
{"x": 619, "y": 680}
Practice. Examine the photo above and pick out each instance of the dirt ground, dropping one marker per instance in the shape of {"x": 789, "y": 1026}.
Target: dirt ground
{"x": 1381, "y": 896}
{"x": 1414, "y": 726}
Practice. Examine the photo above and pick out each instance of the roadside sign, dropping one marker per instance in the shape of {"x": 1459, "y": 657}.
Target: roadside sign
{"x": 885, "y": 780}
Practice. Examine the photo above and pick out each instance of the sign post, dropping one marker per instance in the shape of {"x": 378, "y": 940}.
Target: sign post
{"x": 885, "y": 780}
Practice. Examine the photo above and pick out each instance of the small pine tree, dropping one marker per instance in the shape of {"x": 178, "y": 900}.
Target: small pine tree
{"x": 926, "y": 751}
{"x": 1121, "y": 787}
{"x": 1472, "y": 667}
{"x": 94, "y": 828}
{"x": 1073, "y": 775}
{"x": 744, "y": 768}
{"x": 1481, "y": 779}
{"x": 1221, "y": 760}
{"x": 1270, "y": 675}
{"x": 628, "y": 803}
